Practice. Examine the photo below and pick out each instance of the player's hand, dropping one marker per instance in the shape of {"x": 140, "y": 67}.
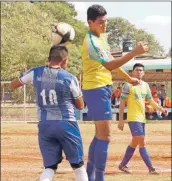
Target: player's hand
{"x": 121, "y": 125}
{"x": 165, "y": 112}
{"x": 133, "y": 81}
{"x": 141, "y": 48}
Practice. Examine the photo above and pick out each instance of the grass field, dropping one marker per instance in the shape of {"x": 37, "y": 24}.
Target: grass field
{"x": 21, "y": 159}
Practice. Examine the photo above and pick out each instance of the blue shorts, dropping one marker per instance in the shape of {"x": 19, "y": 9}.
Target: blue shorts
{"x": 55, "y": 136}
{"x": 98, "y": 102}
{"x": 137, "y": 128}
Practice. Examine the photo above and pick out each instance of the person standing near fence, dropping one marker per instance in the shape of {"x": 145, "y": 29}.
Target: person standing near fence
{"x": 162, "y": 94}
{"x": 97, "y": 86}
{"x": 135, "y": 97}
{"x": 56, "y": 92}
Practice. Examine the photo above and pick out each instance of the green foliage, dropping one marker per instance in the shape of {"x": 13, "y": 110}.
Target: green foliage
{"x": 74, "y": 65}
{"x": 118, "y": 28}
{"x": 26, "y": 35}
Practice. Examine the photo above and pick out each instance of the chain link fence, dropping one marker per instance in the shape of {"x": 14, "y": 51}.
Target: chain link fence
{"x": 18, "y": 105}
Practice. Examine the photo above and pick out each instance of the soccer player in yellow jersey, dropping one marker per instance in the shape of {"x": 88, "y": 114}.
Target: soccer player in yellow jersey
{"x": 97, "y": 86}
{"x": 135, "y": 97}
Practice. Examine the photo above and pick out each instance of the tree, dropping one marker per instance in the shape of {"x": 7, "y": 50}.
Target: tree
{"x": 119, "y": 28}
{"x": 26, "y": 35}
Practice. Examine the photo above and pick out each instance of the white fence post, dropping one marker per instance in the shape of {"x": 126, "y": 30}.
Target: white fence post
{"x": 25, "y": 103}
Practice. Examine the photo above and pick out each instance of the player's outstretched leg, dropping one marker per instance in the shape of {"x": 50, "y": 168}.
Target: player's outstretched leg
{"x": 128, "y": 155}
{"x": 47, "y": 175}
{"x": 91, "y": 161}
{"x": 100, "y": 155}
{"x": 146, "y": 158}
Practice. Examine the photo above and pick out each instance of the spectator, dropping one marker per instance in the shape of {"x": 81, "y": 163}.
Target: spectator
{"x": 162, "y": 94}
{"x": 113, "y": 98}
{"x": 157, "y": 100}
{"x": 117, "y": 96}
{"x": 167, "y": 102}
{"x": 153, "y": 89}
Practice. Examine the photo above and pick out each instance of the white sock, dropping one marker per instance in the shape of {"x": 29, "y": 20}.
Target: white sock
{"x": 81, "y": 174}
{"x": 47, "y": 175}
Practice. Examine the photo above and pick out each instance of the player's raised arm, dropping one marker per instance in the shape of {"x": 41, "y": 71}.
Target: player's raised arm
{"x": 123, "y": 74}
{"x": 118, "y": 62}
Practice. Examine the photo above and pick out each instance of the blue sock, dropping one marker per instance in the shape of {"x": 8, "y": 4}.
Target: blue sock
{"x": 128, "y": 154}
{"x": 145, "y": 156}
{"x": 100, "y": 155}
{"x": 90, "y": 163}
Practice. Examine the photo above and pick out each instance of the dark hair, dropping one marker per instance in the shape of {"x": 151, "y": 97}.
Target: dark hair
{"x": 162, "y": 85}
{"x": 153, "y": 85}
{"x": 58, "y": 53}
{"x": 138, "y": 65}
{"x": 95, "y": 11}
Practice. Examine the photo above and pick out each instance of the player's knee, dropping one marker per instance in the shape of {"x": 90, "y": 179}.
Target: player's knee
{"x": 134, "y": 142}
{"x": 77, "y": 165}
{"x": 104, "y": 137}
{"x": 141, "y": 141}
{"x": 142, "y": 144}
{"x": 53, "y": 167}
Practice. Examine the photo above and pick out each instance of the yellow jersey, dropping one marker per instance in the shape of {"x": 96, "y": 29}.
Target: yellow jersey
{"x": 95, "y": 52}
{"x": 136, "y": 96}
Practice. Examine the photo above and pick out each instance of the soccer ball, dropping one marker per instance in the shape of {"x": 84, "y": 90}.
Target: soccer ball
{"x": 62, "y": 33}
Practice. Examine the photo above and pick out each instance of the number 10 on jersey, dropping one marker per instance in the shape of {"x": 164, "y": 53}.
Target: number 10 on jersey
{"x": 52, "y": 97}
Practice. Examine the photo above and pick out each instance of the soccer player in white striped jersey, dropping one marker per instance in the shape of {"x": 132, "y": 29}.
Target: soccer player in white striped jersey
{"x": 56, "y": 93}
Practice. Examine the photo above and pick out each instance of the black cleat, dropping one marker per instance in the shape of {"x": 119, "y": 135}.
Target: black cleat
{"x": 124, "y": 169}
{"x": 152, "y": 171}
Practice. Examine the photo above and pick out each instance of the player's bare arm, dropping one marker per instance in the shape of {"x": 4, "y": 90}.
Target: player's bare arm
{"x": 16, "y": 83}
{"x": 79, "y": 103}
{"x": 157, "y": 107}
{"x": 121, "y": 114}
{"x": 122, "y": 73}
{"x": 118, "y": 62}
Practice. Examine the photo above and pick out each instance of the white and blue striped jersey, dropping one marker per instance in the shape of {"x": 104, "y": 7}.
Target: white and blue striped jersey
{"x": 55, "y": 91}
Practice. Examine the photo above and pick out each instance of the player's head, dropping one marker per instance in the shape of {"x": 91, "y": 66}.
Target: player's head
{"x": 58, "y": 55}
{"x": 138, "y": 70}
{"x": 97, "y": 19}
{"x": 162, "y": 86}
{"x": 154, "y": 85}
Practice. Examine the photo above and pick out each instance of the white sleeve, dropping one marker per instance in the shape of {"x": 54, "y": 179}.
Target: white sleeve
{"x": 27, "y": 77}
{"x": 125, "y": 91}
{"x": 75, "y": 89}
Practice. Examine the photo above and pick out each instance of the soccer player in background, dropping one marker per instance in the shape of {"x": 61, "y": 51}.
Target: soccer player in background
{"x": 56, "y": 93}
{"x": 135, "y": 97}
{"x": 97, "y": 86}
